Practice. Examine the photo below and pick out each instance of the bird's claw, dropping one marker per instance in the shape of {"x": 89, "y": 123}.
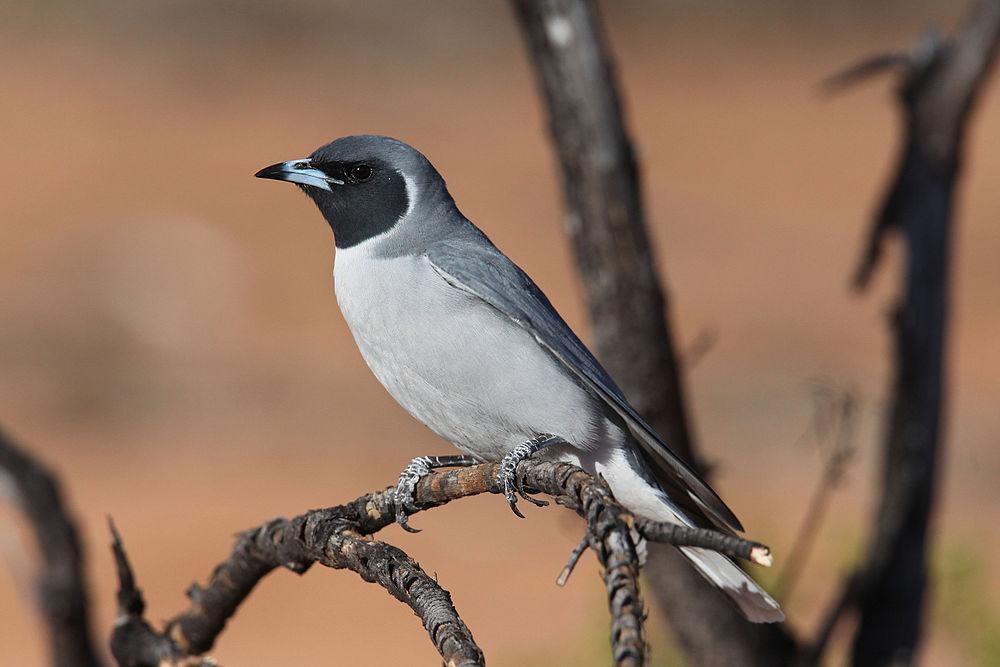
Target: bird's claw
{"x": 531, "y": 499}
{"x": 512, "y": 502}
{"x": 402, "y": 495}
{"x": 508, "y": 472}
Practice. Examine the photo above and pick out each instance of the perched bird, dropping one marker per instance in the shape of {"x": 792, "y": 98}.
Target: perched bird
{"x": 464, "y": 340}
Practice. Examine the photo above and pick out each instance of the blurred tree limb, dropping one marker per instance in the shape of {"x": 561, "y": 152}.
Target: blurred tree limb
{"x": 60, "y": 588}
{"x": 833, "y": 426}
{"x": 940, "y": 82}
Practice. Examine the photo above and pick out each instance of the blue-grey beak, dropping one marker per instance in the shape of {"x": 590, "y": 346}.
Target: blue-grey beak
{"x": 301, "y": 172}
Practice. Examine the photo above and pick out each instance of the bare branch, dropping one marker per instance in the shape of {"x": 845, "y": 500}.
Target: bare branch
{"x": 336, "y": 537}
{"x": 134, "y": 643}
{"x": 833, "y": 426}
{"x": 686, "y": 536}
{"x": 698, "y": 349}
{"x": 864, "y": 70}
{"x": 61, "y": 592}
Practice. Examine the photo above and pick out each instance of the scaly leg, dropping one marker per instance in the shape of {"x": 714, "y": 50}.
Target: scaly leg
{"x": 417, "y": 468}
{"x": 508, "y": 468}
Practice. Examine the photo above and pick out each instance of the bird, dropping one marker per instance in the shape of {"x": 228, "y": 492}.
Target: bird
{"x": 467, "y": 343}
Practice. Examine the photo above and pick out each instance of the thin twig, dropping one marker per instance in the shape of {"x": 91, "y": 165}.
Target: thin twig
{"x": 833, "y": 426}
{"x": 688, "y": 536}
{"x": 574, "y": 558}
{"x": 864, "y": 70}
{"x": 133, "y": 641}
{"x": 696, "y": 350}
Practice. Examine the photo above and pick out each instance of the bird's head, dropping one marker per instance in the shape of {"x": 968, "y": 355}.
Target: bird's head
{"x": 364, "y": 185}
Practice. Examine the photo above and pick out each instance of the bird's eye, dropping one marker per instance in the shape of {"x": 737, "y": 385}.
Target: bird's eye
{"x": 360, "y": 172}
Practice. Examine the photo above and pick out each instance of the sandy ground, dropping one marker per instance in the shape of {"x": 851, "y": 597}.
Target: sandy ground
{"x": 170, "y": 344}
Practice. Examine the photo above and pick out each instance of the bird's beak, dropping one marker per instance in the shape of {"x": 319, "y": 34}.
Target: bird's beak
{"x": 301, "y": 172}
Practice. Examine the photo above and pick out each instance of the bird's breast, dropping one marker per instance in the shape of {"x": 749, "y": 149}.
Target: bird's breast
{"x": 453, "y": 362}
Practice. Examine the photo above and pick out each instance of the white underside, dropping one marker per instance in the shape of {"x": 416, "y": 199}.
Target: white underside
{"x": 456, "y": 364}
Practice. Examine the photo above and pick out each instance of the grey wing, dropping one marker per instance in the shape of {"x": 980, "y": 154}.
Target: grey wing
{"x": 474, "y": 265}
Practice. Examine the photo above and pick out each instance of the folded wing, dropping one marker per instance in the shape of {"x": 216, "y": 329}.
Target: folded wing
{"x": 483, "y": 271}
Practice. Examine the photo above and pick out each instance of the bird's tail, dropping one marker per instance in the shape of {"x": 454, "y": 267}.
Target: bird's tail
{"x": 642, "y": 497}
{"x": 752, "y": 600}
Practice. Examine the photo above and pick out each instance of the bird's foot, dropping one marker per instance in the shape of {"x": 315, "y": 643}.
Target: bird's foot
{"x": 402, "y": 495}
{"x": 508, "y": 470}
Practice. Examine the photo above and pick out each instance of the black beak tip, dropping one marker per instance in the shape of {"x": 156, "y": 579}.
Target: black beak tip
{"x": 275, "y": 171}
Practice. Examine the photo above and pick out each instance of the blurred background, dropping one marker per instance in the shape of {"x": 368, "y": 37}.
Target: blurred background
{"x": 171, "y": 346}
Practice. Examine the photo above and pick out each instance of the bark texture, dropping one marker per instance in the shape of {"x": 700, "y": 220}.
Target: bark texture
{"x": 340, "y": 537}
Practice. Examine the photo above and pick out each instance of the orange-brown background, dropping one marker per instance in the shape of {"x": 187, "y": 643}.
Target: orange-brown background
{"x": 170, "y": 344}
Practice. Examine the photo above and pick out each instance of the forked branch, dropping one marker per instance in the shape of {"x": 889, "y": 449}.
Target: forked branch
{"x": 339, "y": 537}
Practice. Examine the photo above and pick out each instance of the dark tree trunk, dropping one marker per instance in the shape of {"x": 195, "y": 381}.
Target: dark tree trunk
{"x": 605, "y": 219}
{"x": 940, "y": 86}
{"x": 628, "y": 309}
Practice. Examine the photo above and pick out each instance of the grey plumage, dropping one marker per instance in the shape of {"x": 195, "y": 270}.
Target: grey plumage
{"x": 464, "y": 340}
{"x": 472, "y": 263}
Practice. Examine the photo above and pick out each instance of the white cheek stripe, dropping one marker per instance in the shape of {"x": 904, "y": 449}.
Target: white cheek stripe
{"x": 411, "y": 194}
